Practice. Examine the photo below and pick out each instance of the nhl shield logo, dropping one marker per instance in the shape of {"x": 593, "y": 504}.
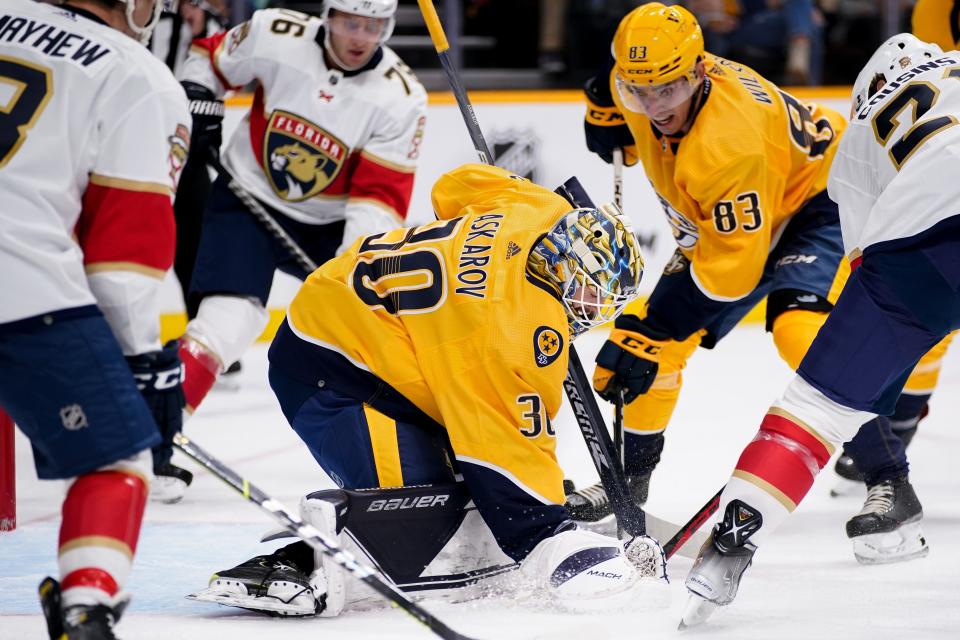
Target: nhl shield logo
{"x": 547, "y": 345}
{"x": 517, "y": 151}
{"x": 300, "y": 159}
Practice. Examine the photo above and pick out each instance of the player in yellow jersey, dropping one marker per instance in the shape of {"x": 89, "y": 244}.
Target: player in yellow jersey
{"x": 436, "y": 354}
{"x": 937, "y": 21}
{"x": 740, "y": 167}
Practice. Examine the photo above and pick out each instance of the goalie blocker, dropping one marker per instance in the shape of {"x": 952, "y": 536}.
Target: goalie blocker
{"x": 430, "y": 541}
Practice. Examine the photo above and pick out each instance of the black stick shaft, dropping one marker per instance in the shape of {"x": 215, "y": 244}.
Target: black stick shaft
{"x": 687, "y": 530}
{"x": 258, "y": 211}
{"x": 312, "y": 536}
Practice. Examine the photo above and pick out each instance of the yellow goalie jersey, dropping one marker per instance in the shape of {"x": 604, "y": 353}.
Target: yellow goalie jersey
{"x": 447, "y": 315}
{"x": 752, "y": 158}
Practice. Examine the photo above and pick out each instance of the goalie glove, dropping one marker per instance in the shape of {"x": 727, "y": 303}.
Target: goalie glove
{"x": 628, "y": 360}
{"x": 207, "y": 111}
{"x": 604, "y": 126}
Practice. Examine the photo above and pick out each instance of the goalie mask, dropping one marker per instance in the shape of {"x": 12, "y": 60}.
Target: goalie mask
{"x": 592, "y": 258}
{"x": 892, "y": 58}
{"x": 371, "y": 21}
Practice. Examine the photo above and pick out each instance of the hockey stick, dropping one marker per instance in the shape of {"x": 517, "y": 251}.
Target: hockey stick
{"x": 618, "y": 405}
{"x": 576, "y": 384}
{"x": 313, "y": 537}
{"x": 258, "y": 211}
{"x": 693, "y": 524}
{"x": 463, "y": 102}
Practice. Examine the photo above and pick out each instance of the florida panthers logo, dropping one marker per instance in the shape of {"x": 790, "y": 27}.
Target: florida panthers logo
{"x": 300, "y": 159}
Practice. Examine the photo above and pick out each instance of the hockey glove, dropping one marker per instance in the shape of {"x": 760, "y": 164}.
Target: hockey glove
{"x": 604, "y": 126}
{"x": 628, "y": 360}
{"x": 207, "y": 112}
{"x": 159, "y": 376}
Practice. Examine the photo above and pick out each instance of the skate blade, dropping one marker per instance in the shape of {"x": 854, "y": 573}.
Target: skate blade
{"x": 900, "y": 545}
{"x": 266, "y": 605}
{"x": 696, "y": 612}
{"x": 167, "y": 490}
{"x": 844, "y": 487}
{"x": 229, "y": 383}
{"x": 606, "y": 526}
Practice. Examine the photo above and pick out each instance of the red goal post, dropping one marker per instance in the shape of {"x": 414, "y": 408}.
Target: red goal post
{"x": 8, "y": 475}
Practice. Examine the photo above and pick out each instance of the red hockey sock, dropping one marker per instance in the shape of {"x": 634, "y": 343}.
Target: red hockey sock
{"x": 784, "y": 458}
{"x": 200, "y": 367}
{"x": 98, "y": 536}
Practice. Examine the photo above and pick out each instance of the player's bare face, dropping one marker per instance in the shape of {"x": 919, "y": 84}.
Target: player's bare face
{"x": 667, "y": 105}
{"x": 354, "y": 39}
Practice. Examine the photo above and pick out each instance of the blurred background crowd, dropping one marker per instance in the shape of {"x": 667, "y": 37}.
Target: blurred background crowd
{"x": 512, "y": 44}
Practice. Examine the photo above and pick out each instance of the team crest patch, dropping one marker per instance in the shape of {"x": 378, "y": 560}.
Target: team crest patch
{"x": 547, "y": 345}
{"x": 179, "y": 148}
{"x": 237, "y": 36}
{"x": 300, "y": 159}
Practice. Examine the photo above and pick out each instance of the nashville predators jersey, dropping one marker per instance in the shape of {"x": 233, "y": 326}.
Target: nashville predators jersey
{"x": 318, "y": 144}
{"x": 448, "y": 315}
{"x": 753, "y": 156}
{"x": 937, "y": 21}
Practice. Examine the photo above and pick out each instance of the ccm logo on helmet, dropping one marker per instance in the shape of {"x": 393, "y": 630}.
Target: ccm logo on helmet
{"x": 638, "y": 53}
{"x": 395, "y": 504}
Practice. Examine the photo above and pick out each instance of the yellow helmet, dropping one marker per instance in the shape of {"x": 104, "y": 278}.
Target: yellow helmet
{"x": 655, "y": 44}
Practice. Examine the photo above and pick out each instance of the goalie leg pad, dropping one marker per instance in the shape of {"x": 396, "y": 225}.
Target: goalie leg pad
{"x": 327, "y": 579}
{"x": 582, "y": 571}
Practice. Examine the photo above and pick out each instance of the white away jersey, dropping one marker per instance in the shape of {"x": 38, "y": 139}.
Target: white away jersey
{"x": 92, "y": 137}
{"x": 895, "y": 174}
{"x": 317, "y": 142}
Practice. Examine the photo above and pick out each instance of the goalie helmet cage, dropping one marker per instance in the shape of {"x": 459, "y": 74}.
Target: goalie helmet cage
{"x": 8, "y": 475}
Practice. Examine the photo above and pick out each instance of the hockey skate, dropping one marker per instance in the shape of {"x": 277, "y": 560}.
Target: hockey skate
{"x": 849, "y": 480}
{"x": 290, "y": 581}
{"x": 887, "y": 529}
{"x": 229, "y": 379}
{"x": 169, "y": 484}
{"x": 591, "y": 508}
{"x": 79, "y": 622}
{"x": 714, "y": 579}
{"x": 275, "y": 584}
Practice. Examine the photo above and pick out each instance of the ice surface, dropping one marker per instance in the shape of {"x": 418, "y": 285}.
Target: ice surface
{"x": 804, "y": 582}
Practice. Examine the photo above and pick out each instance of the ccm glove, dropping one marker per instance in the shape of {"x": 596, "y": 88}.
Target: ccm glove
{"x": 604, "y": 126}
{"x": 628, "y": 360}
{"x": 207, "y": 112}
{"x": 159, "y": 377}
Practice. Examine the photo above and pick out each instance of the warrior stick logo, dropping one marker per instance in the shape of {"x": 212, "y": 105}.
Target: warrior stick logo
{"x": 300, "y": 159}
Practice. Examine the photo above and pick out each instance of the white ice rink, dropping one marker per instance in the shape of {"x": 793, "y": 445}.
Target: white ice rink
{"x": 804, "y": 583}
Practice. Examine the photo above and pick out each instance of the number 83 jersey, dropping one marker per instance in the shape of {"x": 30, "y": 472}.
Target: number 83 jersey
{"x": 895, "y": 171}
{"x": 752, "y": 157}
{"x": 449, "y": 316}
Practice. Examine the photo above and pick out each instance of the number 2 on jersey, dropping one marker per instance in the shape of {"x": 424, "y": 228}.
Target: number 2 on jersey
{"x": 921, "y": 95}
{"x": 25, "y": 90}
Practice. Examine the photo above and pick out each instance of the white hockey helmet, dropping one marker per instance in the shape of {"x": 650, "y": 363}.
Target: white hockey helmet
{"x": 893, "y": 57}
{"x": 143, "y": 33}
{"x": 386, "y": 9}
